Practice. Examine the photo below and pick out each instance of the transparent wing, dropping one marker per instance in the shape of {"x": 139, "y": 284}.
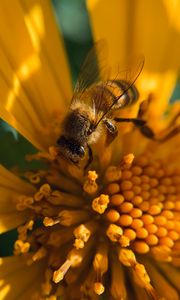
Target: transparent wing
{"x": 96, "y": 85}
{"x": 93, "y": 70}
{"x": 126, "y": 79}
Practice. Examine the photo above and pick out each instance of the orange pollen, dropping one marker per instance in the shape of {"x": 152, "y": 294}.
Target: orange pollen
{"x": 144, "y": 205}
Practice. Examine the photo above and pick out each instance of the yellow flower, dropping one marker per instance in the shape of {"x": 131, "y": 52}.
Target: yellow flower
{"x": 115, "y": 230}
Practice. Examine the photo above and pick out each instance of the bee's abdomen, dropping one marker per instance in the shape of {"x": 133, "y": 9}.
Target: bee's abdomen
{"x": 121, "y": 87}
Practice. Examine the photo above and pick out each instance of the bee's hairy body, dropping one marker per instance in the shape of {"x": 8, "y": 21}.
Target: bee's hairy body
{"x": 94, "y": 103}
{"x": 78, "y": 127}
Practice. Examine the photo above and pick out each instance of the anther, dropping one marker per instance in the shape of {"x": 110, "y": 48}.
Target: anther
{"x": 127, "y": 257}
{"x": 99, "y": 288}
{"x": 83, "y": 232}
{"x": 114, "y": 232}
{"x": 90, "y": 186}
{"x": 50, "y": 221}
{"x": 58, "y": 275}
{"x": 126, "y": 161}
{"x": 100, "y": 203}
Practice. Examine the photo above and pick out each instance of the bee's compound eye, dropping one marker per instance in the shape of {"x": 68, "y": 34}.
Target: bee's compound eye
{"x": 61, "y": 141}
{"x": 81, "y": 151}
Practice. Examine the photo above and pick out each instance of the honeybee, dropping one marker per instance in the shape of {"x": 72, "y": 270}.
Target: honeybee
{"x": 94, "y": 101}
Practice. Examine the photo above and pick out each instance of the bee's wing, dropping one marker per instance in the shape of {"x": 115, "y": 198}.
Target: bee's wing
{"x": 93, "y": 70}
{"x": 127, "y": 77}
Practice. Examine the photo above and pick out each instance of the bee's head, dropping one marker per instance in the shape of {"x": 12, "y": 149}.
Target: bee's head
{"x": 70, "y": 149}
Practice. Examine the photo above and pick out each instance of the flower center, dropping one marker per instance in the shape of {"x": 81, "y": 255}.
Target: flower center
{"x": 134, "y": 208}
{"x": 141, "y": 205}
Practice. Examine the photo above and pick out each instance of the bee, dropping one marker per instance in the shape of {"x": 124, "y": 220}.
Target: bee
{"x": 95, "y": 99}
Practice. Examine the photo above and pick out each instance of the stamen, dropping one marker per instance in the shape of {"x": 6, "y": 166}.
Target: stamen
{"x": 41, "y": 253}
{"x": 47, "y": 286}
{"x": 83, "y": 232}
{"x": 124, "y": 241}
{"x": 114, "y": 232}
{"x": 72, "y": 217}
{"x": 161, "y": 284}
{"x": 44, "y": 191}
{"x": 20, "y": 247}
{"x": 52, "y": 155}
{"x": 100, "y": 265}
{"x": 33, "y": 177}
{"x": 90, "y": 186}
{"x": 58, "y": 275}
{"x": 50, "y": 221}
{"x": 118, "y": 288}
{"x": 55, "y": 178}
{"x": 128, "y": 258}
{"x": 137, "y": 206}
{"x": 126, "y": 162}
{"x": 59, "y": 237}
{"x": 87, "y": 287}
{"x": 60, "y": 198}
{"x": 143, "y": 279}
{"x": 73, "y": 276}
{"x": 22, "y": 230}
{"x": 100, "y": 203}
{"x": 24, "y": 202}
{"x": 77, "y": 256}
{"x": 99, "y": 288}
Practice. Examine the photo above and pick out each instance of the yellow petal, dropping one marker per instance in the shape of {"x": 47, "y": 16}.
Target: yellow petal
{"x": 11, "y": 181}
{"x": 142, "y": 27}
{"x": 109, "y": 21}
{"x": 17, "y": 279}
{"x": 34, "y": 77}
{"x": 12, "y": 220}
{"x": 10, "y": 188}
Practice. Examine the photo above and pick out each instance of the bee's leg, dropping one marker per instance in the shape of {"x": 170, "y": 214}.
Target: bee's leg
{"x": 137, "y": 122}
{"x": 141, "y": 125}
{"x": 90, "y": 157}
{"x": 148, "y": 132}
{"x": 112, "y": 131}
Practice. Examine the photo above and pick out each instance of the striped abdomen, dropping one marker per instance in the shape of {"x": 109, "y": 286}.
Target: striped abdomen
{"x": 113, "y": 94}
{"x": 120, "y": 87}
